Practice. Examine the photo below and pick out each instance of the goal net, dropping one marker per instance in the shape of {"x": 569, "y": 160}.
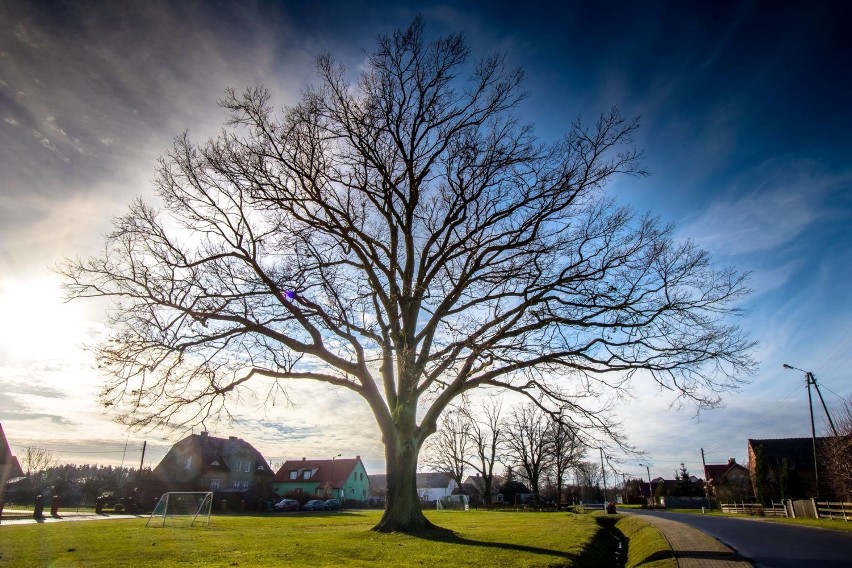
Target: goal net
{"x": 454, "y": 503}
{"x": 182, "y": 509}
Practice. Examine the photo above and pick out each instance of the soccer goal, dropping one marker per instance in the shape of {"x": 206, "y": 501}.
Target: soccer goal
{"x": 183, "y": 508}
{"x": 454, "y": 503}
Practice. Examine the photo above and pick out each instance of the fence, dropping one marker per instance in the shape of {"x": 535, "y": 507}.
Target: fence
{"x": 755, "y": 509}
{"x": 833, "y": 510}
{"x": 16, "y": 510}
{"x": 800, "y": 508}
{"x": 38, "y": 508}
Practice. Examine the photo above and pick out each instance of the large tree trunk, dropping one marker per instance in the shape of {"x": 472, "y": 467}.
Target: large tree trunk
{"x": 402, "y": 503}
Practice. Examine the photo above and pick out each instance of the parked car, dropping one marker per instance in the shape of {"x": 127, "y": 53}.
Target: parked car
{"x": 286, "y": 505}
{"x": 332, "y": 504}
{"x": 315, "y": 505}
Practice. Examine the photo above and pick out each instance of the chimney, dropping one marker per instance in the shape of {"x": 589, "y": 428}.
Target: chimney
{"x": 303, "y": 459}
{"x": 731, "y": 461}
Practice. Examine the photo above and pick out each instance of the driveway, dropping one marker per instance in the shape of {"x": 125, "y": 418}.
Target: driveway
{"x": 767, "y": 544}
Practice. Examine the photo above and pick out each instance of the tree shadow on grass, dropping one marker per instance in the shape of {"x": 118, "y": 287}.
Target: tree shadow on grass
{"x": 449, "y": 537}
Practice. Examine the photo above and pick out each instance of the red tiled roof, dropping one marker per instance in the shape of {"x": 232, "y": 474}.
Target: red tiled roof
{"x": 714, "y": 473}
{"x": 342, "y": 468}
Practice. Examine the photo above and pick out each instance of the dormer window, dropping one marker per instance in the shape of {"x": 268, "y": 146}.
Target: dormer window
{"x": 307, "y": 474}
{"x": 214, "y": 462}
{"x": 294, "y": 474}
{"x": 187, "y": 463}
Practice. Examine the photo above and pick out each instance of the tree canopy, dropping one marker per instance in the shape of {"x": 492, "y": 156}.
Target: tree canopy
{"x": 406, "y": 236}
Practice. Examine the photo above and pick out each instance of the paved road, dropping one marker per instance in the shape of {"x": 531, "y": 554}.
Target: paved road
{"x": 772, "y": 545}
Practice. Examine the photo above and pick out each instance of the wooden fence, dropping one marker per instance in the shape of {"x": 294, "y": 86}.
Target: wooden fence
{"x": 755, "y": 509}
{"x": 807, "y": 508}
{"x": 834, "y": 510}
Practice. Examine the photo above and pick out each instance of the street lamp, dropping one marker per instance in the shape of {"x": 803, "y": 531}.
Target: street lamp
{"x": 332, "y": 474}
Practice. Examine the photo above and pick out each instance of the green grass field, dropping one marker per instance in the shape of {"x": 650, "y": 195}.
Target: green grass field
{"x": 482, "y": 539}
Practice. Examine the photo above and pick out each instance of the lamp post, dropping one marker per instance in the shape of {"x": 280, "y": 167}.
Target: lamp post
{"x": 811, "y": 380}
{"x": 332, "y": 474}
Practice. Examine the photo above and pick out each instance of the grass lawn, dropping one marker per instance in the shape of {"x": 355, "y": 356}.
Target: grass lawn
{"x": 316, "y": 539}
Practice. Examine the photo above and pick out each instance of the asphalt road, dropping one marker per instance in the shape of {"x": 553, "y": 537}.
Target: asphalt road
{"x": 767, "y": 544}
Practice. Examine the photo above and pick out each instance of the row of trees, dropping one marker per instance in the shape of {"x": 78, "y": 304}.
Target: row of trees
{"x": 538, "y": 447}
{"x": 74, "y": 484}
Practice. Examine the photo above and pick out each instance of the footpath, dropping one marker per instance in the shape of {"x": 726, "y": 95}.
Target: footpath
{"x": 63, "y": 517}
{"x": 693, "y": 548}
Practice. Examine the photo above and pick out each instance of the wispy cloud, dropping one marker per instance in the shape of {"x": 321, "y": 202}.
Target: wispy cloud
{"x": 766, "y": 208}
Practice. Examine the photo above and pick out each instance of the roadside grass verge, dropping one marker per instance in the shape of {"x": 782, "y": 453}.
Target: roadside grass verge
{"x": 646, "y": 546}
{"x": 482, "y": 538}
{"x": 833, "y": 524}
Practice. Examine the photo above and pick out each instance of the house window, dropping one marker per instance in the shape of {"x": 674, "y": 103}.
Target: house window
{"x": 237, "y": 484}
{"x": 307, "y": 474}
{"x": 362, "y": 477}
{"x": 237, "y": 465}
{"x": 214, "y": 484}
{"x": 247, "y": 466}
{"x": 294, "y": 474}
{"x": 244, "y": 486}
{"x": 187, "y": 463}
{"x": 364, "y": 493}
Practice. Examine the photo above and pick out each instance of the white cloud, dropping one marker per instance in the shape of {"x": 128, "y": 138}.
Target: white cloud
{"x": 11, "y": 120}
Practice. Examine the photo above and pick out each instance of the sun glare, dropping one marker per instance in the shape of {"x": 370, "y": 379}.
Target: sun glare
{"x": 37, "y": 324}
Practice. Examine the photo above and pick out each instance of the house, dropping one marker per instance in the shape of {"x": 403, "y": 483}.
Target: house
{"x": 10, "y": 469}
{"x": 783, "y": 468}
{"x": 475, "y": 485}
{"x": 201, "y": 462}
{"x": 339, "y": 478}
{"x": 728, "y": 482}
{"x": 431, "y": 486}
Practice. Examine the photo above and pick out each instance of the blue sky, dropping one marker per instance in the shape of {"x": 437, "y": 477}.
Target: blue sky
{"x": 745, "y": 112}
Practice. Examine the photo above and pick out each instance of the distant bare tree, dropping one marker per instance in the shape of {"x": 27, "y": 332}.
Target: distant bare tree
{"x": 837, "y": 455}
{"x": 567, "y": 449}
{"x": 447, "y": 450}
{"x": 35, "y": 462}
{"x": 486, "y": 439}
{"x": 528, "y": 444}
{"x": 588, "y": 475}
{"x": 405, "y": 236}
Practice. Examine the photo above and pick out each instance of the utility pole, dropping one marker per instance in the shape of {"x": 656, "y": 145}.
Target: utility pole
{"x": 706, "y": 480}
{"x": 603, "y": 471}
{"x": 650, "y": 487}
{"x": 811, "y": 380}
{"x": 142, "y": 461}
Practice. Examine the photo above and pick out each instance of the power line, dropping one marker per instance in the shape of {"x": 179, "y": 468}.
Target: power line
{"x": 25, "y": 446}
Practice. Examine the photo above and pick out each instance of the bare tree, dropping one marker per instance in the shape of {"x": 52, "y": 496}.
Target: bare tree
{"x": 447, "y": 449}
{"x": 567, "y": 449}
{"x": 588, "y": 476}
{"x": 406, "y": 237}
{"x": 35, "y": 462}
{"x": 486, "y": 440}
{"x": 837, "y": 455}
{"x": 528, "y": 444}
